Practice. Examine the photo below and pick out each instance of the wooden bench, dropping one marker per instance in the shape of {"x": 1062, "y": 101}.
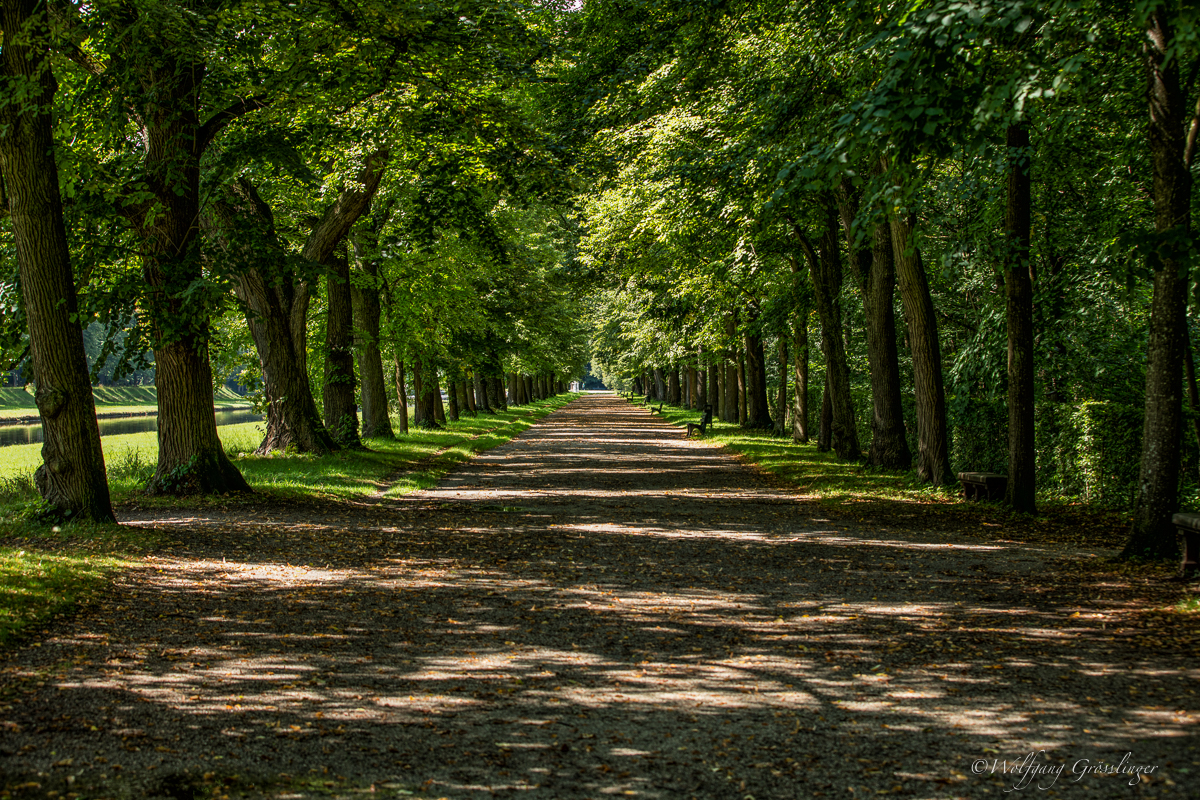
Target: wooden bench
{"x": 702, "y": 425}
{"x": 983, "y": 485}
{"x": 658, "y": 410}
{"x": 1189, "y": 526}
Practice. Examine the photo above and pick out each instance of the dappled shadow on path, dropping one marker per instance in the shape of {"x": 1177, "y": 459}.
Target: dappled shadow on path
{"x": 596, "y": 608}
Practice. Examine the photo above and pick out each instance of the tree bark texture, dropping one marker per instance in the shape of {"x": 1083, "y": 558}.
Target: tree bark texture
{"x": 825, "y": 425}
{"x": 800, "y": 426}
{"x": 401, "y": 392}
{"x": 376, "y": 419}
{"x": 673, "y": 390}
{"x": 781, "y": 404}
{"x": 481, "y": 398}
{"x": 743, "y": 409}
{"x": 439, "y": 408}
{"x": 242, "y": 226}
{"x": 875, "y": 270}
{"x": 452, "y": 408}
{"x": 1018, "y": 291}
{"x": 933, "y": 451}
{"x": 825, "y": 271}
{"x": 659, "y": 384}
{"x": 758, "y": 406}
{"x": 341, "y": 410}
{"x": 500, "y": 394}
{"x": 190, "y": 456}
{"x": 1152, "y": 534}
{"x": 72, "y": 478}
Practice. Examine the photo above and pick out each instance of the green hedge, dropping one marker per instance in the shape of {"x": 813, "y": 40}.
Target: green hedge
{"x": 1091, "y": 451}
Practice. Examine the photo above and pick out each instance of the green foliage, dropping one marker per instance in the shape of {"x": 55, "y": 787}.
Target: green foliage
{"x": 1089, "y": 452}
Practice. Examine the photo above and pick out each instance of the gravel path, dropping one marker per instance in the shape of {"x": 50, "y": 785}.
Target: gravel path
{"x": 596, "y": 608}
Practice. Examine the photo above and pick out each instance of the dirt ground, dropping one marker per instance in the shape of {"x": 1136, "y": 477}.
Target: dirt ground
{"x": 600, "y": 608}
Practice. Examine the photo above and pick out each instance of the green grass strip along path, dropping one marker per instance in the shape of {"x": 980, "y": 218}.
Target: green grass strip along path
{"x": 46, "y": 570}
{"x": 813, "y": 472}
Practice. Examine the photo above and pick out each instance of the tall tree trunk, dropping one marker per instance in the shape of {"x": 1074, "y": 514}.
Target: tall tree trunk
{"x": 72, "y": 479}
{"x": 758, "y": 407}
{"x": 875, "y": 270}
{"x": 743, "y": 409}
{"x": 782, "y": 394}
{"x": 1018, "y": 290}
{"x": 401, "y": 392}
{"x": 493, "y": 394}
{"x": 825, "y": 426}
{"x": 933, "y": 451}
{"x": 439, "y": 408}
{"x": 452, "y": 407}
{"x": 376, "y": 421}
{"x": 1152, "y": 534}
{"x": 500, "y": 393}
{"x": 714, "y": 387}
{"x": 673, "y": 390}
{"x": 825, "y": 270}
{"x": 660, "y": 384}
{"x": 341, "y": 411}
{"x": 464, "y": 403}
{"x": 190, "y": 456}
{"x": 422, "y": 395}
{"x": 481, "y": 398}
{"x": 1193, "y": 391}
{"x": 242, "y": 226}
{"x": 800, "y": 428}
{"x": 468, "y": 388}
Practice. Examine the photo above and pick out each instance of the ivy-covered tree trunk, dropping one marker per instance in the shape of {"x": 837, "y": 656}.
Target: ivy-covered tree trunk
{"x": 800, "y": 426}
{"x": 341, "y": 410}
{"x": 1152, "y": 534}
{"x": 401, "y": 391}
{"x": 1018, "y": 291}
{"x": 933, "y": 452}
{"x": 191, "y": 458}
{"x": 825, "y": 271}
{"x": 72, "y": 479}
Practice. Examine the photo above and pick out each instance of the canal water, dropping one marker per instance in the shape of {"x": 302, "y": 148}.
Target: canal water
{"x": 32, "y": 434}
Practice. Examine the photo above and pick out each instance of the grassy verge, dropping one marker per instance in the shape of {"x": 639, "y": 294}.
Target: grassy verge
{"x": 391, "y": 466}
{"x": 897, "y": 497}
{"x": 47, "y": 570}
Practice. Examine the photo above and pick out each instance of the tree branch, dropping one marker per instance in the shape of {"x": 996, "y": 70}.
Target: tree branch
{"x": 217, "y": 122}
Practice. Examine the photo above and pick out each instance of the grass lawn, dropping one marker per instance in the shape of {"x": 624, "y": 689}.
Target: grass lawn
{"x": 16, "y": 402}
{"x": 46, "y": 570}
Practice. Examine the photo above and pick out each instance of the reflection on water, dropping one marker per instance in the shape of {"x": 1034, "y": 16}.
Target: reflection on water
{"x": 31, "y": 434}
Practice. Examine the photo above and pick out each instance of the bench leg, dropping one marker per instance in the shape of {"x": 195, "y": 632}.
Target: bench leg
{"x": 1191, "y": 553}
